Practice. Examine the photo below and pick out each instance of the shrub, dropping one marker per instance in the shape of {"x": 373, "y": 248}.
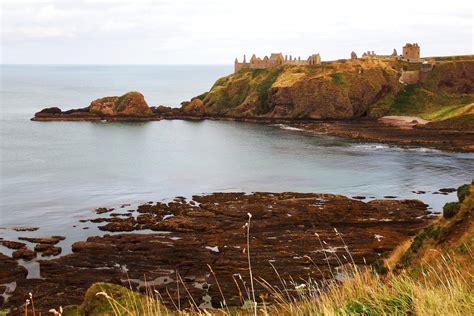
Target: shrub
{"x": 450, "y": 209}
{"x": 380, "y": 267}
{"x": 337, "y": 78}
{"x": 463, "y": 191}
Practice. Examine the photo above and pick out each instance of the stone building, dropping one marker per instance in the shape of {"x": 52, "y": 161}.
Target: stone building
{"x": 275, "y": 60}
{"x": 411, "y": 53}
{"x": 314, "y": 59}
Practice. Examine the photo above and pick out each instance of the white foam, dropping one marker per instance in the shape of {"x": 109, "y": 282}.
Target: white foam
{"x": 214, "y": 249}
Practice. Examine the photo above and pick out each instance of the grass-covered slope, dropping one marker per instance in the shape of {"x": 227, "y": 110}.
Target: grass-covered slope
{"x": 341, "y": 89}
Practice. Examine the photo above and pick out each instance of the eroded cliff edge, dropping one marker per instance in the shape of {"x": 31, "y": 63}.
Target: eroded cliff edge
{"x": 346, "y": 89}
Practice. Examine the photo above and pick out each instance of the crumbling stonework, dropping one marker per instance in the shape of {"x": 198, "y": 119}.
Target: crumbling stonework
{"x": 411, "y": 52}
{"x": 275, "y": 60}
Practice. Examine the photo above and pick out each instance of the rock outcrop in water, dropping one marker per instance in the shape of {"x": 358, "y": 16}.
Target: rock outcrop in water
{"x": 293, "y": 232}
{"x": 128, "y": 107}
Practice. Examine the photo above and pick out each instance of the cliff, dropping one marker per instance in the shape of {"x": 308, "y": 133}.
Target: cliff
{"x": 344, "y": 89}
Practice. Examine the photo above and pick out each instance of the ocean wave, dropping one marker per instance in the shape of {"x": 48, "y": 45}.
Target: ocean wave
{"x": 287, "y": 127}
{"x": 396, "y": 148}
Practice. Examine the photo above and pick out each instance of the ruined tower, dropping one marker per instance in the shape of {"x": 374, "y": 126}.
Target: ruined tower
{"x": 411, "y": 52}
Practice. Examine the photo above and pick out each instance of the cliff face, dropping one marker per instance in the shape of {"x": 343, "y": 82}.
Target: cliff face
{"x": 334, "y": 90}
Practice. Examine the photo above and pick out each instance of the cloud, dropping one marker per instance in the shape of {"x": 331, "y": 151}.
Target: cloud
{"x": 44, "y": 32}
{"x": 210, "y": 31}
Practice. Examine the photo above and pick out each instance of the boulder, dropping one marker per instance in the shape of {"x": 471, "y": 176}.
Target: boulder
{"x": 24, "y": 253}
{"x": 131, "y": 103}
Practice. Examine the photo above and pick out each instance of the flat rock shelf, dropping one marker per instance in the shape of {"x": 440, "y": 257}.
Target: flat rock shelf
{"x": 300, "y": 235}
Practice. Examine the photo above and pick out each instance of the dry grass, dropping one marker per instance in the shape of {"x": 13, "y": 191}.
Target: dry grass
{"x": 443, "y": 289}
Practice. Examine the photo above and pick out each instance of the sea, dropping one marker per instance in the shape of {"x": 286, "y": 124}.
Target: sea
{"x": 54, "y": 174}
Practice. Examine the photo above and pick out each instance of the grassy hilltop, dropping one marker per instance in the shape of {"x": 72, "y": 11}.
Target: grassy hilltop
{"x": 342, "y": 89}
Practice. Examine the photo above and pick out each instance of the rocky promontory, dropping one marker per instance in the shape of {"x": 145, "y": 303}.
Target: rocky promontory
{"x": 341, "y": 98}
{"x": 345, "y": 89}
{"x": 128, "y": 107}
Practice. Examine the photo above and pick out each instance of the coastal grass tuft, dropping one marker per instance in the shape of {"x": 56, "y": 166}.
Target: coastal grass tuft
{"x": 451, "y": 209}
{"x": 337, "y": 77}
{"x": 442, "y": 291}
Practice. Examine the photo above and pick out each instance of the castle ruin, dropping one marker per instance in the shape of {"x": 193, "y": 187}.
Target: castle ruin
{"x": 275, "y": 60}
{"x": 411, "y": 53}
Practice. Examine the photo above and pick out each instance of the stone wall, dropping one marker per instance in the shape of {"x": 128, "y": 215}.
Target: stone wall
{"x": 410, "y": 77}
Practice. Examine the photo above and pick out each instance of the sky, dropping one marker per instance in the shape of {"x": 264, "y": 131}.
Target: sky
{"x": 217, "y": 31}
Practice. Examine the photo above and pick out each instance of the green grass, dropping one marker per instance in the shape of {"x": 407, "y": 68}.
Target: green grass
{"x": 119, "y": 104}
{"x": 414, "y": 99}
{"x": 337, "y": 77}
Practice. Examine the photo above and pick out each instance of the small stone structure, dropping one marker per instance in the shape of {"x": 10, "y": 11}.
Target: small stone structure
{"x": 416, "y": 76}
{"x": 411, "y": 53}
{"x": 275, "y": 60}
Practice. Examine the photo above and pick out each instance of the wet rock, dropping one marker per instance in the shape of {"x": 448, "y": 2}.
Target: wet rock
{"x": 12, "y": 244}
{"x": 44, "y": 240}
{"x": 10, "y": 270}
{"x": 51, "y": 251}
{"x": 48, "y": 250}
{"x": 447, "y": 190}
{"x": 120, "y": 225}
{"x": 24, "y": 253}
{"x": 102, "y": 210}
{"x": 25, "y": 229}
{"x": 42, "y": 247}
{"x": 282, "y": 232}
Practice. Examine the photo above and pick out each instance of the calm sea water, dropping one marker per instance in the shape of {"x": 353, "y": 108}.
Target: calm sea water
{"x": 55, "y": 173}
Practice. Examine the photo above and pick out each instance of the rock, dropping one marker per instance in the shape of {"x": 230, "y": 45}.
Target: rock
{"x": 447, "y": 190}
{"x": 120, "y": 224}
{"x": 130, "y": 106}
{"x": 47, "y": 250}
{"x": 25, "y": 229}
{"x": 282, "y": 231}
{"x": 49, "y": 111}
{"x": 10, "y": 270}
{"x": 42, "y": 247}
{"x": 102, "y": 210}
{"x": 12, "y": 244}
{"x": 24, "y": 253}
{"x": 51, "y": 251}
{"x": 131, "y": 103}
{"x": 43, "y": 240}
{"x": 359, "y": 197}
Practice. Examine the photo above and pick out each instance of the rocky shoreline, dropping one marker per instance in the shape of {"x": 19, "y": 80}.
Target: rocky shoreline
{"x": 301, "y": 235}
{"x": 366, "y": 130}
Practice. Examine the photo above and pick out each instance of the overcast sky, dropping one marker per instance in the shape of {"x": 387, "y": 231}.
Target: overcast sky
{"x": 217, "y": 31}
